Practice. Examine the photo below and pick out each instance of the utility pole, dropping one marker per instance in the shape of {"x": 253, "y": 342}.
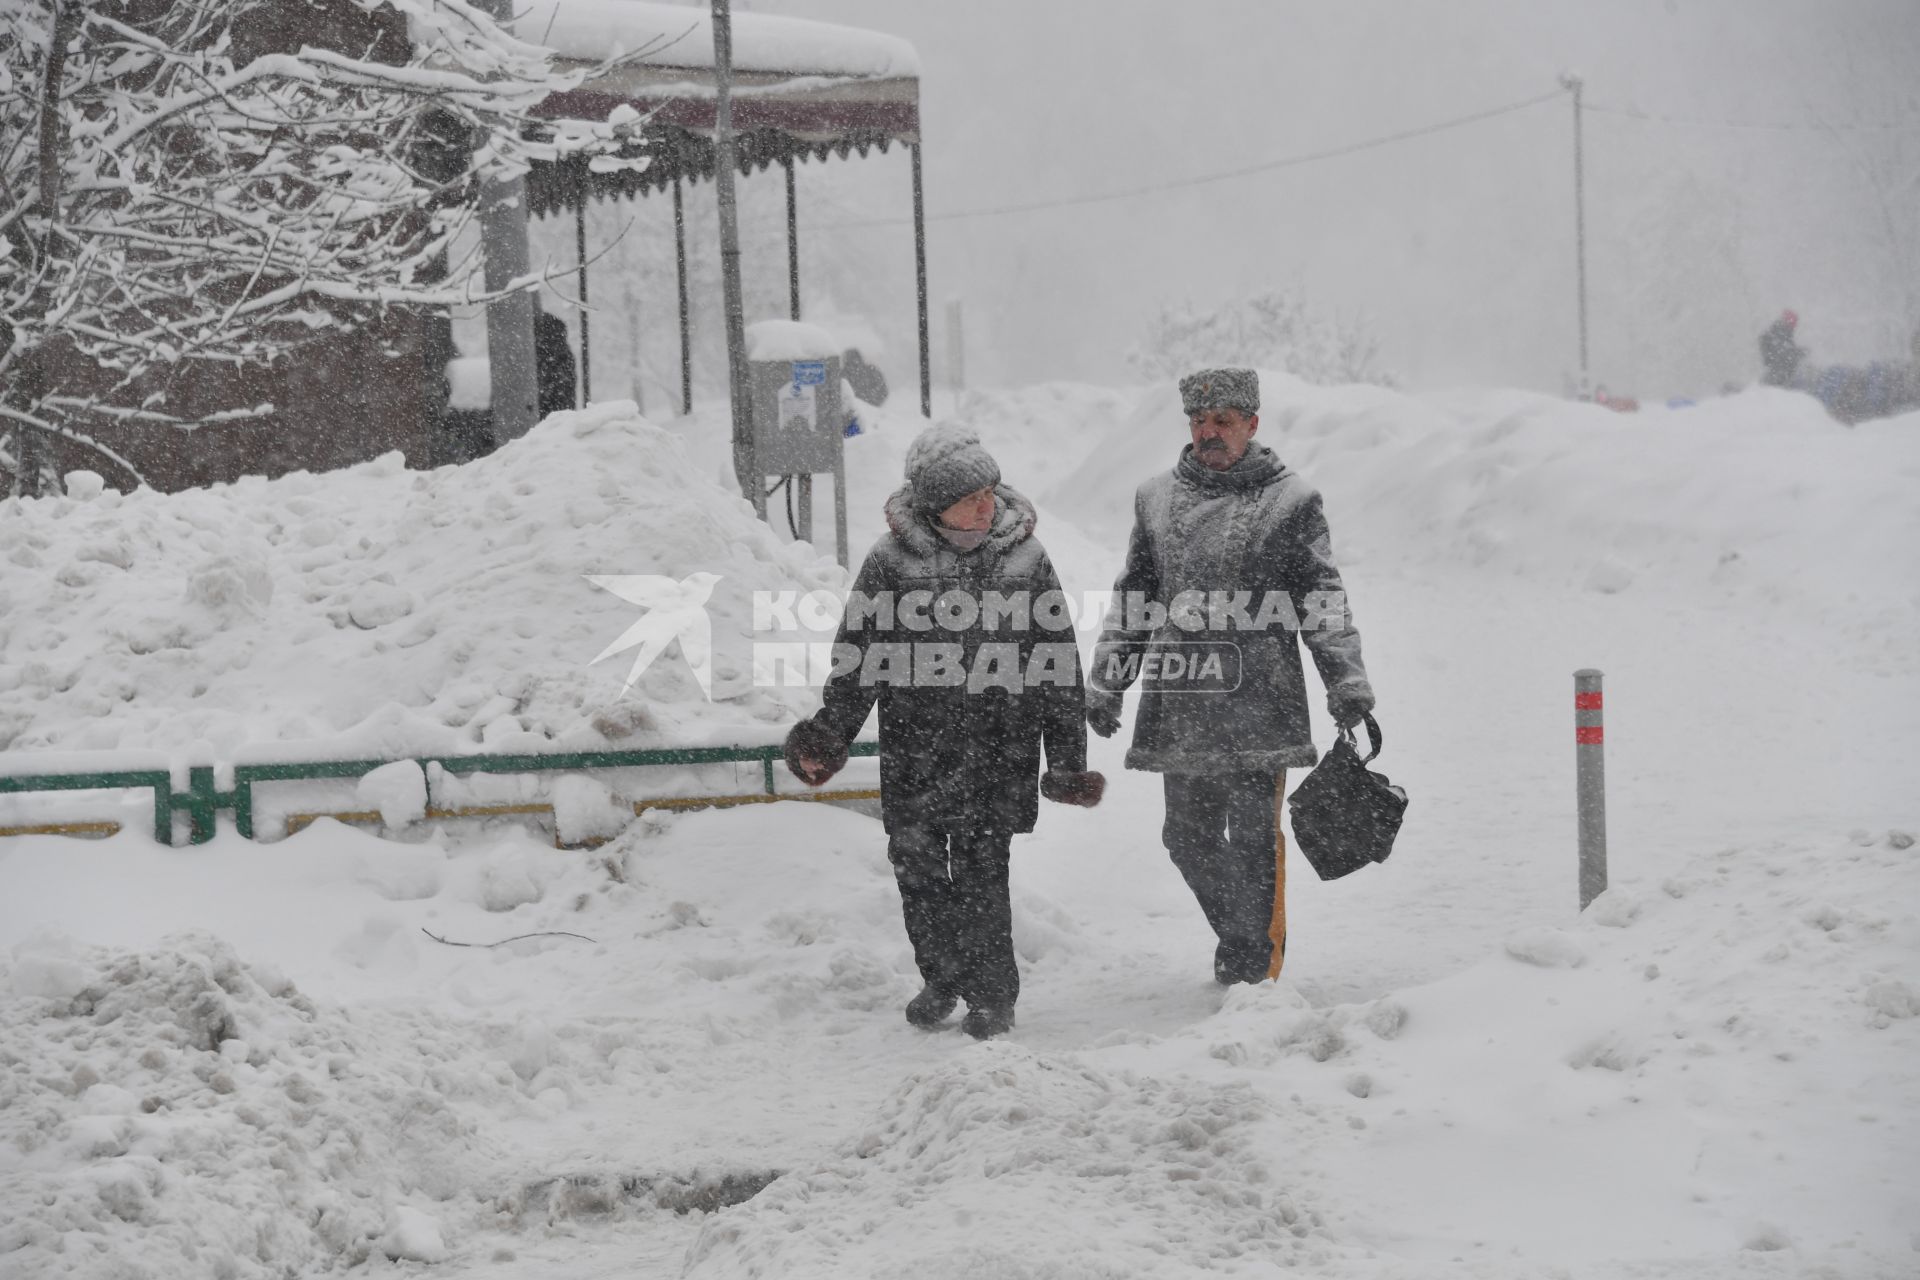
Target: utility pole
{"x": 745, "y": 466}
{"x": 1574, "y": 84}
{"x": 503, "y": 241}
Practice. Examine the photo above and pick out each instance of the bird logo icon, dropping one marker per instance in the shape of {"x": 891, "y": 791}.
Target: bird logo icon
{"x": 674, "y": 611}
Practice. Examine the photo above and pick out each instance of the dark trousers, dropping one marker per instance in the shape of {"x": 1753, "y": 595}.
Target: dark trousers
{"x": 953, "y": 893}
{"x": 1220, "y": 833}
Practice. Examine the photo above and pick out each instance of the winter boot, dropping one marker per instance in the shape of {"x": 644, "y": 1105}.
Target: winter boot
{"x": 986, "y": 1021}
{"x": 930, "y": 1008}
{"x": 1233, "y": 964}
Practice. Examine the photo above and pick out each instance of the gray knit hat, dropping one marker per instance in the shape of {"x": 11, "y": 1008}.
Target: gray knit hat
{"x": 945, "y": 463}
{"x": 1220, "y": 389}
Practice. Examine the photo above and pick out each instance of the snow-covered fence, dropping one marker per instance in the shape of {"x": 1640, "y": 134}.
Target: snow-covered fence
{"x": 203, "y": 799}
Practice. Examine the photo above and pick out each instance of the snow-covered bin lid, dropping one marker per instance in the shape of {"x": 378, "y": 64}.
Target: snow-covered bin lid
{"x": 469, "y": 383}
{"x": 789, "y": 340}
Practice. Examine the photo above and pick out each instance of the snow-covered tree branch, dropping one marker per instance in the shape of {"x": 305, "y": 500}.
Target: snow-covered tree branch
{"x": 177, "y": 186}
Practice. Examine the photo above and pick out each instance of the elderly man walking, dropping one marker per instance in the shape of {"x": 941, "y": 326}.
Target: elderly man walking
{"x": 1229, "y": 559}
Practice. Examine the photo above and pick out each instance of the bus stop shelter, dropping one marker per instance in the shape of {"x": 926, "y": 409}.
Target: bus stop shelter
{"x": 800, "y": 91}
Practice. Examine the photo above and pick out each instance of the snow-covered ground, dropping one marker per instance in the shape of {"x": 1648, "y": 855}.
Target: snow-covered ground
{"x": 251, "y": 1060}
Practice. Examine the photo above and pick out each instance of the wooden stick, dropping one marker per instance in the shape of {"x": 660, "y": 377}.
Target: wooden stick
{"x": 1277, "y": 930}
{"x": 504, "y": 941}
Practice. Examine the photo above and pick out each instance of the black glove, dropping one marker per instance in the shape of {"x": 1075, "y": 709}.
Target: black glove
{"x": 814, "y": 752}
{"x": 1349, "y": 704}
{"x": 1069, "y": 786}
{"x": 1103, "y": 717}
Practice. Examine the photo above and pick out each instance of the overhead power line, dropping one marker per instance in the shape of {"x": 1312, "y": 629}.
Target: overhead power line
{"x": 1352, "y": 148}
{"x": 1224, "y": 175}
{"x": 1786, "y": 126}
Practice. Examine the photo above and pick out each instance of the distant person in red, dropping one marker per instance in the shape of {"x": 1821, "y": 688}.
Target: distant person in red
{"x": 1781, "y": 356}
{"x": 1851, "y": 393}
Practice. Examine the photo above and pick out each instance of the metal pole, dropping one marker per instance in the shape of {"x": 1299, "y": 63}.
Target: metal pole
{"x": 840, "y": 506}
{"x": 580, "y": 250}
{"x": 680, "y": 263}
{"x": 1577, "y": 85}
{"x": 1590, "y": 772}
{"x": 746, "y": 467}
{"x": 793, "y": 246}
{"x": 503, "y": 239}
{"x": 639, "y": 355}
{"x": 920, "y": 283}
{"x": 803, "y": 484}
{"x": 956, "y": 347}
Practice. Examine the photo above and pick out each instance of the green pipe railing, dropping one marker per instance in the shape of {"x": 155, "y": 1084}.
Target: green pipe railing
{"x": 202, "y": 800}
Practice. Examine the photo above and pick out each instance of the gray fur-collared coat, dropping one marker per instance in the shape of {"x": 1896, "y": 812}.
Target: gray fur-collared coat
{"x": 954, "y": 757}
{"x": 1256, "y": 528}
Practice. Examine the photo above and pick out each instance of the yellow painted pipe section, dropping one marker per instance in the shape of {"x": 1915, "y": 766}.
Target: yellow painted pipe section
{"x": 64, "y": 829}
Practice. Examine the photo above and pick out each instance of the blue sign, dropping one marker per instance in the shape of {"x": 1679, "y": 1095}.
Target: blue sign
{"x": 809, "y": 373}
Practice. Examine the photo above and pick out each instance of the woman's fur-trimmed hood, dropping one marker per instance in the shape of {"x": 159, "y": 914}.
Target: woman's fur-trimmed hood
{"x": 1013, "y": 521}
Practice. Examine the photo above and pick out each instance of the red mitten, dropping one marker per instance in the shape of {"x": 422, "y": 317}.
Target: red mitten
{"x": 1067, "y": 786}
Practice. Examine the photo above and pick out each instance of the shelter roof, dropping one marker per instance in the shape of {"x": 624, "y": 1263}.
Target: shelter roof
{"x": 801, "y": 90}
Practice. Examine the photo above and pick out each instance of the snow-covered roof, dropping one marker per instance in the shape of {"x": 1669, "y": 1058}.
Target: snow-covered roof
{"x": 682, "y": 36}
{"x": 801, "y": 90}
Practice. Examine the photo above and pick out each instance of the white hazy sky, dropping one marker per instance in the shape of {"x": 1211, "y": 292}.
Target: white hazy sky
{"x": 1459, "y": 246}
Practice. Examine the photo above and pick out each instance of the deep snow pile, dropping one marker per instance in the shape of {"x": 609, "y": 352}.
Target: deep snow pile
{"x": 1009, "y": 1162}
{"x": 178, "y": 1112}
{"x": 1708, "y": 1075}
{"x": 384, "y": 611}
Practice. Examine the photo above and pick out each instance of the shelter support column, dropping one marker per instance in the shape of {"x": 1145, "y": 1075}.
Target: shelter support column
{"x": 746, "y": 465}
{"x": 680, "y": 266}
{"x": 802, "y": 484}
{"x": 920, "y": 283}
{"x": 793, "y": 246}
{"x": 580, "y": 251}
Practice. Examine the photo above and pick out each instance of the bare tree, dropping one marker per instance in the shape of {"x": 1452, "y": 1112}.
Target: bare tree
{"x": 177, "y": 189}
{"x": 1871, "y": 119}
{"x": 1277, "y": 329}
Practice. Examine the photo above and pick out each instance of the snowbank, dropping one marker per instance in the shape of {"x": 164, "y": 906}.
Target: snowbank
{"x": 186, "y": 1114}
{"x": 383, "y": 611}
{"x": 1758, "y": 497}
{"x": 1708, "y": 1075}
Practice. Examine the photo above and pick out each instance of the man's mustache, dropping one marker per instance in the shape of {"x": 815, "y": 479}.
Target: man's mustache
{"x": 1213, "y": 444}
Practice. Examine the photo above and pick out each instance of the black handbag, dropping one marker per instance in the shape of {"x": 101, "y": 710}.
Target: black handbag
{"x": 1345, "y": 815}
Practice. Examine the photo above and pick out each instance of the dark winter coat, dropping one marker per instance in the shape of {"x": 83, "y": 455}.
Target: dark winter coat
{"x": 1256, "y": 528}
{"x": 951, "y": 757}
{"x": 553, "y": 371}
